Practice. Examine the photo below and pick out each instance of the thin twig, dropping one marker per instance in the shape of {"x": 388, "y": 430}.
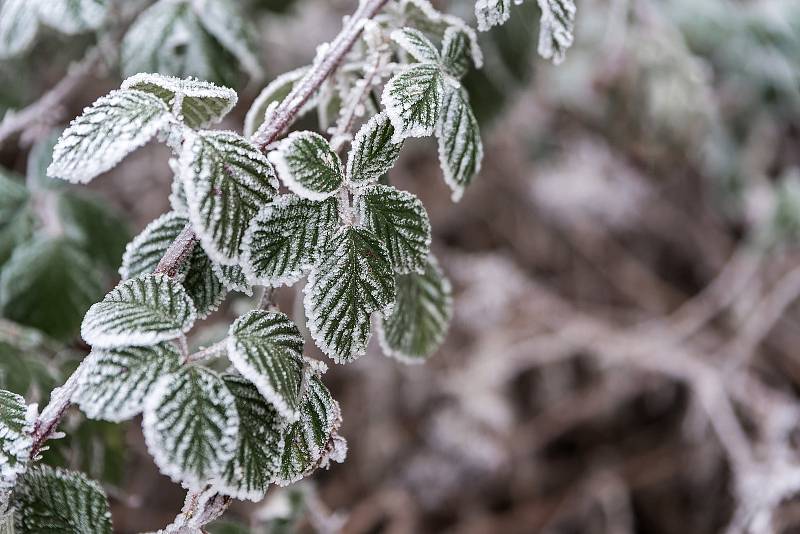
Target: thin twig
{"x": 20, "y": 120}
{"x": 323, "y": 68}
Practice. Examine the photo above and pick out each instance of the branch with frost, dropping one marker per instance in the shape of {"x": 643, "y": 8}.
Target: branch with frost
{"x": 286, "y": 112}
{"x": 19, "y": 121}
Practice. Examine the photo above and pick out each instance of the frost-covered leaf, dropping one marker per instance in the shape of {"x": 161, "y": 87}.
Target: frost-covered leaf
{"x": 169, "y": 38}
{"x": 145, "y": 251}
{"x": 197, "y": 103}
{"x": 267, "y": 348}
{"x": 48, "y": 284}
{"x": 308, "y": 165}
{"x": 492, "y": 13}
{"x": 52, "y": 500}
{"x": 306, "y": 440}
{"x": 421, "y": 315}
{"x": 139, "y": 311}
{"x": 94, "y": 227}
{"x": 191, "y": 425}
{"x": 202, "y": 285}
{"x": 227, "y": 180}
{"x": 255, "y": 463}
{"x": 555, "y": 28}
{"x": 223, "y": 20}
{"x": 116, "y": 381}
{"x": 373, "y": 152}
{"x": 354, "y": 279}
{"x": 107, "y": 131}
{"x": 72, "y": 16}
{"x": 197, "y": 274}
{"x": 412, "y": 99}
{"x": 273, "y": 94}
{"x": 415, "y": 43}
{"x": 177, "y": 194}
{"x": 456, "y": 52}
{"x": 233, "y": 278}
{"x": 399, "y": 220}
{"x": 16, "y": 426}
{"x": 460, "y": 146}
{"x": 18, "y": 26}
{"x": 287, "y": 238}
{"x": 422, "y": 15}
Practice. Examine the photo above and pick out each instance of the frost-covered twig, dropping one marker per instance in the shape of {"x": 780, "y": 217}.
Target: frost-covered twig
{"x": 322, "y": 68}
{"x": 18, "y": 121}
{"x": 199, "y": 509}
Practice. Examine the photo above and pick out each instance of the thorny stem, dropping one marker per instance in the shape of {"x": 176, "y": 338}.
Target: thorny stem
{"x": 181, "y": 248}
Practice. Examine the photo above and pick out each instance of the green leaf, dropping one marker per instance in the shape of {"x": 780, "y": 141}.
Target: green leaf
{"x": 107, "y": 131}
{"x": 13, "y": 197}
{"x": 73, "y": 16}
{"x": 16, "y": 218}
{"x": 233, "y": 278}
{"x": 460, "y": 146}
{"x": 145, "y": 251}
{"x": 54, "y": 501}
{"x": 373, "y": 153}
{"x": 255, "y": 464}
{"x": 39, "y": 158}
{"x": 191, "y": 425}
{"x": 115, "y": 382}
{"x": 354, "y": 280}
{"x": 273, "y": 94}
{"x": 24, "y": 363}
{"x": 101, "y": 232}
{"x": 140, "y": 311}
{"x": 267, "y": 349}
{"x": 223, "y": 20}
{"x": 287, "y": 238}
{"x": 49, "y": 284}
{"x": 197, "y": 103}
{"x": 556, "y": 28}
{"x": 415, "y": 43}
{"x": 196, "y": 275}
{"x": 227, "y": 180}
{"x": 16, "y": 427}
{"x": 308, "y": 165}
{"x": 456, "y": 52}
{"x": 18, "y": 27}
{"x": 492, "y": 13}
{"x": 308, "y": 439}
{"x": 202, "y": 285}
{"x": 421, "y": 315}
{"x": 412, "y": 99}
{"x": 169, "y": 38}
{"x": 399, "y": 220}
